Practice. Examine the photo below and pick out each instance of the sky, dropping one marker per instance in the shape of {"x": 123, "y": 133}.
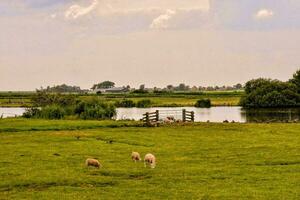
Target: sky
{"x": 151, "y": 42}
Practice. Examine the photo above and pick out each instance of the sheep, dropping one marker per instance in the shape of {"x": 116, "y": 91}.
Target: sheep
{"x": 150, "y": 160}
{"x": 135, "y": 156}
{"x": 93, "y": 163}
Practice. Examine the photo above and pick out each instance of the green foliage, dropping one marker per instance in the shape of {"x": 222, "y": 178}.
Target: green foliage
{"x": 57, "y": 106}
{"x": 267, "y": 93}
{"x": 296, "y": 80}
{"x": 103, "y": 85}
{"x": 144, "y": 103}
{"x": 125, "y": 103}
{"x": 94, "y": 109}
{"x": 42, "y": 98}
{"x": 203, "y": 103}
{"x": 52, "y": 112}
{"x": 31, "y": 112}
{"x": 62, "y": 89}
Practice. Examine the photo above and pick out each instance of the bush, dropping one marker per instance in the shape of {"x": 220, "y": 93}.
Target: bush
{"x": 203, "y": 103}
{"x": 52, "y": 112}
{"x": 267, "y": 93}
{"x": 42, "y": 98}
{"x": 94, "y": 109}
{"x": 125, "y": 103}
{"x": 145, "y": 103}
{"x": 31, "y": 112}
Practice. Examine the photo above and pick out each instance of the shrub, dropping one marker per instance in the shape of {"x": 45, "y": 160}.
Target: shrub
{"x": 57, "y": 106}
{"x": 94, "y": 109}
{"x": 42, "y": 98}
{"x": 203, "y": 103}
{"x": 267, "y": 93}
{"x": 31, "y": 112}
{"x": 52, "y": 112}
{"x": 125, "y": 103}
{"x": 145, "y": 103}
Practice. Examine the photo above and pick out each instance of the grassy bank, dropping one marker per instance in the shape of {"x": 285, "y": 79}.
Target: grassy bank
{"x": 45, "y": 160}
{"x": 230, "y": 98}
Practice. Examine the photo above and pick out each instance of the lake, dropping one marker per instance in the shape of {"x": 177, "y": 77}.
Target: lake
{"x": 213, "y": 114}
{"x": 11, "y": 112}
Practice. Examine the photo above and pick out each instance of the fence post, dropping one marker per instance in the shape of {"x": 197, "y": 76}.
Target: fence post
{"x": 147, "y": 118}
{"x": 193, "y": 116}
{"x": 184, "y": 115}
{"x": 157, "y": 115}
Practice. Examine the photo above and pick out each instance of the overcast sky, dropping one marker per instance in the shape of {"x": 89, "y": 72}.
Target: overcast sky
{"x": 152, "y": 42}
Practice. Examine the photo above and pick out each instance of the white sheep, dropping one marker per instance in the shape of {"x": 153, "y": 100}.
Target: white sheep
{"x": 93, "y": 162}
{"x": 135, "y": 156}
{"x": 150, "y": 160}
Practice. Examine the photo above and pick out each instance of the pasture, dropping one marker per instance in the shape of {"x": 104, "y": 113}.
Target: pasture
{"x": 42, "y": 159}
{"x": 226, "y": 98}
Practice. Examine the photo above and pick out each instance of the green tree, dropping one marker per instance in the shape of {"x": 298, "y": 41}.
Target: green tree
{"x": 296, "y": 80}
{"x": 267, "y": 93}
{"x": 103, "y": 85}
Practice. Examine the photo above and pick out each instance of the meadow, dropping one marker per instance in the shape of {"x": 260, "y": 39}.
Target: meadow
{"x": 42, "y": 159}
{"x": 218, "y": 98}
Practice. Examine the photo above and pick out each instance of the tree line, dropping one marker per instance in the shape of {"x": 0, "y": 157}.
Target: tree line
{"x": 64, "y": 88}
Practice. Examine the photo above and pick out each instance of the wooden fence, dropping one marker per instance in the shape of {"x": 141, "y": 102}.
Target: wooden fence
{"x": 154, "y": 117}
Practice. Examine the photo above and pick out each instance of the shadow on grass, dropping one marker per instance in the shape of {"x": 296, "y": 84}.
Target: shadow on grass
{"x": 129, "y": 176}
{"x": 276, "y": 163}
{"x": 44, "y": 186}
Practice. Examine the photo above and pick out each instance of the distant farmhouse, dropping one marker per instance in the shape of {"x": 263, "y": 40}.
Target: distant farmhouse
{"x": 111, "y": 90}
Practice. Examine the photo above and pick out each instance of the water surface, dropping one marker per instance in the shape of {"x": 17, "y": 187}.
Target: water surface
{"x": 213, "y": 114}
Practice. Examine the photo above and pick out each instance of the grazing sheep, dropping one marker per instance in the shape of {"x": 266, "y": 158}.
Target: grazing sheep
{"x": 135, "y": 156}
{"x": 93, "y": 163}
{"x": 150, "y": 160}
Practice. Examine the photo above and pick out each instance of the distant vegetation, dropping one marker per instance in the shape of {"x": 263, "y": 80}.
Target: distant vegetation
{"x": 125, "y": 103}
{"x": 58, "y": 106}
{"x": 103, "y": 85}
{"x": 168, "y": 89}
{"x": 62, "y": 89}
{"x": 203, "y": 103}
{"x": 144, "y": 103}
{"x": 268, "y": 93}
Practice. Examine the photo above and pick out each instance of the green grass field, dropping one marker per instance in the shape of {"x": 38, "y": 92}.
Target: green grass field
{"x": 229, "y": 98}
{"x": 42, "y": 159}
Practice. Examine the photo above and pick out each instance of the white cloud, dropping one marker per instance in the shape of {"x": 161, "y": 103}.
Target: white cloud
{"x": 53, "y": 16}
{"x": 76, "y": 11}
{"x": 162, "y": 21}
{"x": 264, "y": 14}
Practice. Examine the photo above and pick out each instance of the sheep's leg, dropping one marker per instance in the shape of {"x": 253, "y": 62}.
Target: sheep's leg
{"x": 145, "y": 164}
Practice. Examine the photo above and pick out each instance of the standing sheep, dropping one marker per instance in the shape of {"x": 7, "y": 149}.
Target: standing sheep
{"x": 150, "y": 160}
{"x": 135, "y": 156}
{"x": 93, "y": 163}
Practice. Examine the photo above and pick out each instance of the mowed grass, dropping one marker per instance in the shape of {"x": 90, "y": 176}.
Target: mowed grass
{"x": 45, "y": 160}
